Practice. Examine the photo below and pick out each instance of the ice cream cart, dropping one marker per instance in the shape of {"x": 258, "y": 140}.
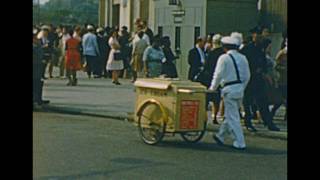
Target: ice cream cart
{"x": 170, "y": 106}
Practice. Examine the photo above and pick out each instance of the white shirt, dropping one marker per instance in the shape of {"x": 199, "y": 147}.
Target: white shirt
{"x": 65, "y": 37}
{"x": 201, "y": 54}
{"x": 145, "y": 37}
{"x": 225, "y": 72}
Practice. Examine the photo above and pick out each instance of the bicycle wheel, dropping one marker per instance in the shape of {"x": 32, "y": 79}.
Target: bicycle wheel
{"x": 151, "y": 125}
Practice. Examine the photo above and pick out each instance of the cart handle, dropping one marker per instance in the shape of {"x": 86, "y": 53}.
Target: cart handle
{"x": 194, "y": 91}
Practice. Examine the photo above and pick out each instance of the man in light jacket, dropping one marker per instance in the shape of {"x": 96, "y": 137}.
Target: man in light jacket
{"x": 91, "y": 51}
{"x": 233, "y": 74}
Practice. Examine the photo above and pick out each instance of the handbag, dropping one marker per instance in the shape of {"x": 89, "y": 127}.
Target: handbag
{"x": 118, "y": 56}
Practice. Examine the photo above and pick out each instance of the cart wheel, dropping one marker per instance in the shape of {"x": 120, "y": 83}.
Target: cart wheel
{"x": 193, "y": 137}
{"x": 151, "y": 125}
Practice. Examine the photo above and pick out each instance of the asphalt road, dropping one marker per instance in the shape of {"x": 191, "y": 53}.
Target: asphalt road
{"x": 70, "y": 147}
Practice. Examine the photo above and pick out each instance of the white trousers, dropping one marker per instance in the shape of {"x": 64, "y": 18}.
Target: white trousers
{"x": 231, "y": 124}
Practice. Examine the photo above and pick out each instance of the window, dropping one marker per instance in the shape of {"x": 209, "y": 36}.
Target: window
{"x": 196, "y": 33}
{"x": 177, "y": 38}
{"x": 160, "y": 31}
{"x": 173, "y": 2}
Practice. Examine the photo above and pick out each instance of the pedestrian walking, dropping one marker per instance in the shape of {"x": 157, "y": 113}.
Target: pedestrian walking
{"x": 256, "y": 91}
{"x": 53, "y": 43}
{"x": 47, "y": 49}
{"x": 103, "y": 49}
{"x": 168, "y": 67}
{"x": 37, "y": 69}
{"x": 209, "y": 68}
{"x": 138, "y": 48}
{"x": 115, "y": 59}
{"x": 153, "y": 57}
{"x": 73, "y": 59}
{"x": 64, "y": 37}
{"x": 282, "y": 69}
{"x": 196, "y": 59}
{"x": 91, "y": 52}
{"x": 233, "y": 74}
{"x": 125, "y": 49}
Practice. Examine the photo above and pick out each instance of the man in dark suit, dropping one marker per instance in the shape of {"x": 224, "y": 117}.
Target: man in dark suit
{"x": 37, "y": 70}
{"x": 196, "y": 59}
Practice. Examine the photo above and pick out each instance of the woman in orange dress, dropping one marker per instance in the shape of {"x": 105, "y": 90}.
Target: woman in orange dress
{"x": 73, "y": 59}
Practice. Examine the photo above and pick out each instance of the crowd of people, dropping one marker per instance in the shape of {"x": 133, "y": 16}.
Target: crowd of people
{"x": 113, "y": 52}
{"x": 104, "y": 52}
{"x": 244, "y": 77}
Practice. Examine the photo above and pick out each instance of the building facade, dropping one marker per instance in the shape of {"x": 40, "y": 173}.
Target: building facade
{"x": 182, "y": 20}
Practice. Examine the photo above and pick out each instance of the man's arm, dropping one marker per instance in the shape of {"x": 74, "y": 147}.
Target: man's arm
{"x": 217, "y": 76}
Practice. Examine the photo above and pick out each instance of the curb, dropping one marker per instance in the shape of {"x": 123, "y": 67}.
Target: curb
{"x": 78, "y": 112}
{"x": 128, "y": 117}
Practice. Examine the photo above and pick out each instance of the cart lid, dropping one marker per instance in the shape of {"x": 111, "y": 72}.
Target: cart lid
{"x": 153, "y": 83}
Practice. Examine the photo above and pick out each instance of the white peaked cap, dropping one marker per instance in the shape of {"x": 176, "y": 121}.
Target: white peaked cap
{"x": 35, "y": 31}
{"x": 230, "y": 40}
{"x": 45, "y": 27}
{"x": 238, "y": 36}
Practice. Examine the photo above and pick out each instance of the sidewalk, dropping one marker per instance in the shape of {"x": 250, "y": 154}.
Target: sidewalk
{"x": 101, "y": 98}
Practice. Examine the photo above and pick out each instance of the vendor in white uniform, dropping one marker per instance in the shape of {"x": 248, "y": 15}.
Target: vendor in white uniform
{"x": 232, "y": 73}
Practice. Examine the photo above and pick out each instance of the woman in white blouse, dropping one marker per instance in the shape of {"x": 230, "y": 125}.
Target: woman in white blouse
{"x": 115, "y": 61}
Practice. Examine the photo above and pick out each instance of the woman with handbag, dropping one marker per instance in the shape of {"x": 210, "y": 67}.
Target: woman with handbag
{"x": 115, "y": 61}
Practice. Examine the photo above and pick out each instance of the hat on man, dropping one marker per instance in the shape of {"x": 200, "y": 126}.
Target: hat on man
{"x": 216, "y": 39}
{"x": 99, "y": 30}
{"x": 228, "y": 40}
{"x": 237, "y": 36}
{"x": 35, "y": 31}
{"x": 90, "y": 27}
{"x": 45, "y": 27}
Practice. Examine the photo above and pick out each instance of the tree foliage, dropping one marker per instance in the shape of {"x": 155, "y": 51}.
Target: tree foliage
{"x": 69, "y": 12}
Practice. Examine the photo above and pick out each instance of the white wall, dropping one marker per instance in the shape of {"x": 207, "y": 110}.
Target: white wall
{"x": 124, "y": 15}
{"x": 195, "y": 15}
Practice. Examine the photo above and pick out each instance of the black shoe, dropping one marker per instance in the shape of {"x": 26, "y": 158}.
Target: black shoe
{"x": 220, "y": 143}
{"x": 117, "y": 83}
{"x": 236, "y": 148}
{"x": 74, "y": 82}
{"x": 273, "y": 128}
{"x": 215, "y": 121}
{"x": 250, "y": 127}
{"x": 69, "y": 83}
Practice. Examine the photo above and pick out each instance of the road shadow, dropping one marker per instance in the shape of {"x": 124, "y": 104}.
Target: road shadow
{"x": 213, "y": 147}
{"x": 128, "y": 165}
